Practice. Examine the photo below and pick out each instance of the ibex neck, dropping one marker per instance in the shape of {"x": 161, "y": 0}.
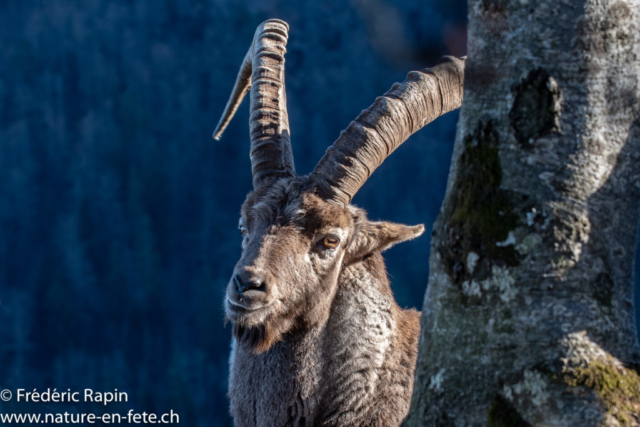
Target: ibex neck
{"x": 335, "y": 371}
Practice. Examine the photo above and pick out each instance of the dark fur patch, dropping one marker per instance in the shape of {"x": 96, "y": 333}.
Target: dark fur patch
{"x": 258, "y": 338}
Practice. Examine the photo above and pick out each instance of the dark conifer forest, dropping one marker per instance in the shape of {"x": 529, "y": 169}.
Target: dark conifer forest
{"x": 118, "y": 212}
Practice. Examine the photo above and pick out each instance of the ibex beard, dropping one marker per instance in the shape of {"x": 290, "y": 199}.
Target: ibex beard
{"x": 295, "y": 245}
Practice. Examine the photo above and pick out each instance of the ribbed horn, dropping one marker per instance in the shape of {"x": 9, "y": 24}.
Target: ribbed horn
{"x": 424, "y": 96}
{"x": 262, "y": 72}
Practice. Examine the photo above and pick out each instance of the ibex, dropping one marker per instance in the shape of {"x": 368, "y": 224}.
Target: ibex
{"x": 318, "y": 338}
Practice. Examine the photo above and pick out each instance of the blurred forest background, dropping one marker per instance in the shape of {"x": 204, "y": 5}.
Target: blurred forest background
{"x": 118, "y": 212}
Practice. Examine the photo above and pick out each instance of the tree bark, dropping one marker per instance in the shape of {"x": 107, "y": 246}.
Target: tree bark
{"x": 528, "y": 317}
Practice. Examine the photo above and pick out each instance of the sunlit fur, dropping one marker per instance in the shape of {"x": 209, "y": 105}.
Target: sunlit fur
{"x": 323, "y": 342}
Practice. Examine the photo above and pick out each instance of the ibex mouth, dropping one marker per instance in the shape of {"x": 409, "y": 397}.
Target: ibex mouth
{"x": 237, "y": 310}
{"x": 241, "y": 307}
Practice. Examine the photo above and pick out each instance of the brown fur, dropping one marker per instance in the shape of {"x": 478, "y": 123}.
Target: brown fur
{"x": 322, "y": 341}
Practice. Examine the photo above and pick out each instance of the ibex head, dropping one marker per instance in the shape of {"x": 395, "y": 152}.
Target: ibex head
{"x": 300, "y": 231}
{"x": 293, "y": 248}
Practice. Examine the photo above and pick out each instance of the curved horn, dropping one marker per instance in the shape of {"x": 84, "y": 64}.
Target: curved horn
{"x": 263, "y": 71}
{"x": 408, "y": 106}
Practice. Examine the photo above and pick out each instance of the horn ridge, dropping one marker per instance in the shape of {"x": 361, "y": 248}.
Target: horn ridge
{"x": 262, "y": 74}
{"x": 421, "y": 98}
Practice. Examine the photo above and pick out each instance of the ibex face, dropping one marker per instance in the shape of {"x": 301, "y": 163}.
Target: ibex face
{"x": 294, "y": 246}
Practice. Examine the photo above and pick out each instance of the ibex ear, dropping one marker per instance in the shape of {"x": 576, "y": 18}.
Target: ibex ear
{"x": 373, "y": 236}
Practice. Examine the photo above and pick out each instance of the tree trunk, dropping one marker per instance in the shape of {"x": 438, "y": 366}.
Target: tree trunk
{"x": 528, "y": 317}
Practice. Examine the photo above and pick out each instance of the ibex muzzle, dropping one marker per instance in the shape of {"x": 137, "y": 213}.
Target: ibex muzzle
{"x": 318, "y": 336}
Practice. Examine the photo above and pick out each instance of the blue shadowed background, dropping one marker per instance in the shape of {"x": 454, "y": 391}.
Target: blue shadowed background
{"x": 118, "y": 212}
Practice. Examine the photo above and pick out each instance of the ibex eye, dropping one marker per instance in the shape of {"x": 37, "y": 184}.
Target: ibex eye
{"x": 243, "y": 230}
{"x": 331, "y": 242}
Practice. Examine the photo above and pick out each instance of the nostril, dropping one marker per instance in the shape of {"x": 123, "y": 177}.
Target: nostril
{"x": 255, "y": 284}
{"x": 237, "y": 282}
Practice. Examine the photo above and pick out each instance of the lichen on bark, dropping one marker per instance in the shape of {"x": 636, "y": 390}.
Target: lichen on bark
{"x": 616, "y": 386}
{"x": 589, "y": 366}
{"x": 480, "y": 215}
